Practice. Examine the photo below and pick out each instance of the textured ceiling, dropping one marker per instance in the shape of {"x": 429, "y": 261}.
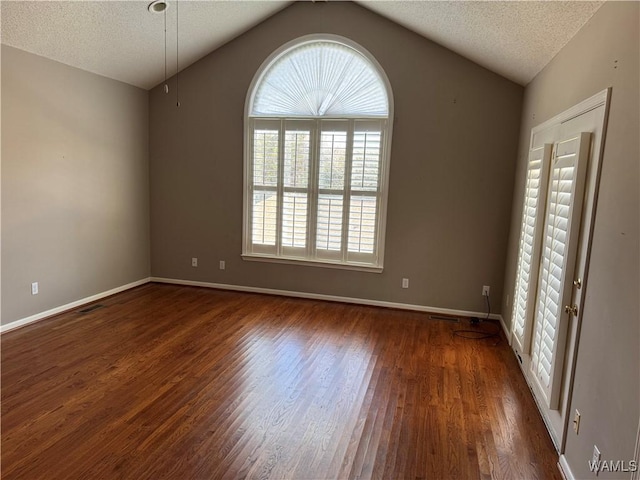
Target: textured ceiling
{"x": 513, "y": 38}
{"x": 122, "y": 40}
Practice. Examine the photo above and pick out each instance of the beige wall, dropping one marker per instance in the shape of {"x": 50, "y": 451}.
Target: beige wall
{"x": 75, "y": 184}
{"x": 451, "y": 180}
{"x": 607, "y": 378}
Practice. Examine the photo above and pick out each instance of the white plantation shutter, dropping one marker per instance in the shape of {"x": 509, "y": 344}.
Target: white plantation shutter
{"x": 362, "y": 221}
{"x": 332, "y": 184}
{"x": 264, "y": 185}
{"x": 365, "y": 190}
{"x": 558, "y": 255}
{"x": 294, "y": 220}
{"x": 317, "y": 158}
{"x": 330, "y": 209}
{"x": 365, "y": 170}
{"x": 343, "y": 208}
{"x": 529, "y": 248}
{"x": 295, "y": 187}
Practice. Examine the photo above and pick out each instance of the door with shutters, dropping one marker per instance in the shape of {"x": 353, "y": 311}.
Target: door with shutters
{"x": 535, "y": 194}
{"x": 560, "y": 235}
{"x": 554, "y": 248}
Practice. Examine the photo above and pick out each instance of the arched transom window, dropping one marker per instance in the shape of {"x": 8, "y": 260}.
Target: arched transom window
{"x": 318, "y": 133}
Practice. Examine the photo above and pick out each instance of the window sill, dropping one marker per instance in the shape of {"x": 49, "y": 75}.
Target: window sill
{"x": 312, "y": 263}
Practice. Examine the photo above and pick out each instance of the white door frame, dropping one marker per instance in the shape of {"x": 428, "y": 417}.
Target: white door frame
{"x": 551, "y": 131}
{"x": 636, "y": 457}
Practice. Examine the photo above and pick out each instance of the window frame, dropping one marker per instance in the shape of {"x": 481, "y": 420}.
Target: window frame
{"x": 248, "y": 252}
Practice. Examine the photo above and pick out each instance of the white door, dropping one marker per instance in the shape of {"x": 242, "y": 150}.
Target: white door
{"x": 535, "y": 194}
{"x": 554, "y": 335}
{"x": 554, "y": 293}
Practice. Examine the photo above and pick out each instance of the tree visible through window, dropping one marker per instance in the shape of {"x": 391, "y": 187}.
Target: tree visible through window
{"x": 317, "y": 156}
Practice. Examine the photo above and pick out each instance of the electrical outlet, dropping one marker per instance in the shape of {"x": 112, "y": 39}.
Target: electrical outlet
{"x": 576, "y": 422}
{"x": 222, "y": 265}
{"x": 596, "y": 458}
{"x": 485, "y": 290}
{"x": 405, "y": 283}
{"x": 194, "y": 262}
{"x": 34, "y": 288}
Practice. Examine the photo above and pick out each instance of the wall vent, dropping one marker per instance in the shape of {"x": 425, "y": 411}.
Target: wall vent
{"x": 444, "y": 317}
{"x": 91, "y": 308}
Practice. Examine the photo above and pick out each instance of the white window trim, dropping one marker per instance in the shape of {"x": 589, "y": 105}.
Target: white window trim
{"x": 254, "y": 257}
{"x": 384, "y": 164}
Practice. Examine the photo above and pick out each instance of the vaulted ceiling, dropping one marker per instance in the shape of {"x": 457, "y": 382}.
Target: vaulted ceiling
{"x": 124, "y": 41}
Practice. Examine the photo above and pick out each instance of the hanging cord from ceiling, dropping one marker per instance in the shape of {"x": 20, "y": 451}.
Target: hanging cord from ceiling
{"x": 166, "y": 85}
{"x": 480, "y": 333}
{"x": 177, "y": 52}
{"x": 155, "y": 7}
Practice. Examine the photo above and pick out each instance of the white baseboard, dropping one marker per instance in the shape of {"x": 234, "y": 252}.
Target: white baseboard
{"x": 269, "y": 291}
{"x": 504, "y": 329}
{"x": 54, "y": 311}
{"x": 329, "y": 298}
{"x": 565, "y": 469}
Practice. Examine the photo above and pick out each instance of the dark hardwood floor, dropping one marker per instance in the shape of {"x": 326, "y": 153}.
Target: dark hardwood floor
{"x": 190, "y": 383}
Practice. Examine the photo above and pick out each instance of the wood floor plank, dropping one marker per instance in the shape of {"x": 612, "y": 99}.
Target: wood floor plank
{"x": 177, "y": 382}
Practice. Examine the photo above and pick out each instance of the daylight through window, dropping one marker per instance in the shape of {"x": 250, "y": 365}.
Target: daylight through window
{"x": 317, "y": 156}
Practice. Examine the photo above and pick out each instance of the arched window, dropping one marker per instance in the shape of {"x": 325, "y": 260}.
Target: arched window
{"x": 317, "y": 141}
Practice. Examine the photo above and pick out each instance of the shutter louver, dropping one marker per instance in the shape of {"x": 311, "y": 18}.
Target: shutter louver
{"x": 564, "y": 209}
{"x": 552, "y": 268}
{"x": 297, "y": 151}
{"x": 365, "y": 190}
{"x": 329, "y": 222}
{"x": 294, "y": 220}
{"x": 529, "y": 248}
{"x": 366, "y": 161}
{"x": 264, "y": 186}
{"x": 333, "y": 153}
{"x": 362, "y": 224}
{"x": 264, "y": 218}
{"x": 331, "y": 188}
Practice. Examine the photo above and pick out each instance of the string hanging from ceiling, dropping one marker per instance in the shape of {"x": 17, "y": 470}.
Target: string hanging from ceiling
{"x": 160, "y": 6}
{"x": 177, "y": 52}
{"x": 166, "y": 85}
